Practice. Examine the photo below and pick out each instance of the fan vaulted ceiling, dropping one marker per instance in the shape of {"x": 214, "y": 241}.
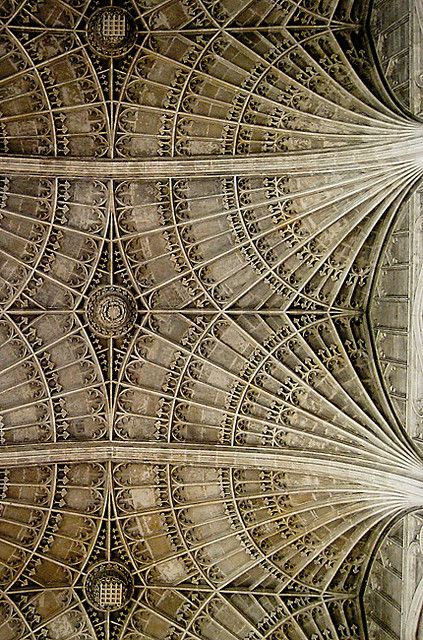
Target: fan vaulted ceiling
{"x": 210, "y": 333}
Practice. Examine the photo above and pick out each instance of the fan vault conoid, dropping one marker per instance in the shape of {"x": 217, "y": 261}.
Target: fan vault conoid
{"x": 211, "y": 317}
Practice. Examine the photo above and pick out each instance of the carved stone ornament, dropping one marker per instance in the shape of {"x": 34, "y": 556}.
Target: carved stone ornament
{"x": 111, "y": 32}
{"x": 108, "y": 586}
{"x": 111, "y": 311}
{"x": 211, "y": 352}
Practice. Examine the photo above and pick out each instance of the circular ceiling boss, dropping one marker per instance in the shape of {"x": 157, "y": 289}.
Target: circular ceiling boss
{"x": 111, "y": 32}
{"x": 108, "y": 586}
{"x": 111, "y": 311}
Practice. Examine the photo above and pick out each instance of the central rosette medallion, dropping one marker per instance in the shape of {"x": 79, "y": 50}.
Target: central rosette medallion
{"x": 111, "y": 311}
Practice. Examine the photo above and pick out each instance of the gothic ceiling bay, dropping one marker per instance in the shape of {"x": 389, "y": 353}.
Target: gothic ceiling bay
{"x": 210, "y": 325}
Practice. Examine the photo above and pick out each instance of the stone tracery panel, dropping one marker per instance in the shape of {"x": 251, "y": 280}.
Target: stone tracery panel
{"x": 52, "y": 386}
{"x": 304, "y": 241}
{"x": 253, "y": 380}
{"x": 246, "y": 296}
{"x": 52, "y": 235}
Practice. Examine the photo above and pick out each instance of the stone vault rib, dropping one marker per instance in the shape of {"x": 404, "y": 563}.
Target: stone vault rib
{"x": 246, "y": 464}
{"x": 405, "y": 149}
{"x": 407, "y": 482}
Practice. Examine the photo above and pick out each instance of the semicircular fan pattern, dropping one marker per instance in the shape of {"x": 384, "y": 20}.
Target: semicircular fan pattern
{"x": 266, "y": 381}
{"x": 235, "y": 92}
{"x": 234, "y": 529}
{"x": 50, "y": 519}
{"x": 242, "y": 446}
{"x": 51, "y": 384}
{"x": 52, "y": 233}
{"x": 240, "y": 553}
{"x": 259, "y": 616}
{"x": 301, "y": 240}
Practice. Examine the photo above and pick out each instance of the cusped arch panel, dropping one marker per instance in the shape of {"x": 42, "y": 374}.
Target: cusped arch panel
{"x": 306, "y": 239}
{"x": 50, "y": 520}
{"x": 62, "y": 617}
{"x": 395, "y": 315}
{"x": 252, "y": 92}
{"x": 50, "y": 14}
{"x": 27, "y": 413}
{"x": 396, "y": 32}
{"x": 26, "y": 122}
{"x": 52, "y": 103}
{"x": 232, "y": 14}
{"x": 26, "y": 498}
{"x": 258, "y": 381}
{"x": 52, "y": 234}
{"x": 392, "y": 591}
{"x": 13, "y": 623}
{"x": 51, "y": 384}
